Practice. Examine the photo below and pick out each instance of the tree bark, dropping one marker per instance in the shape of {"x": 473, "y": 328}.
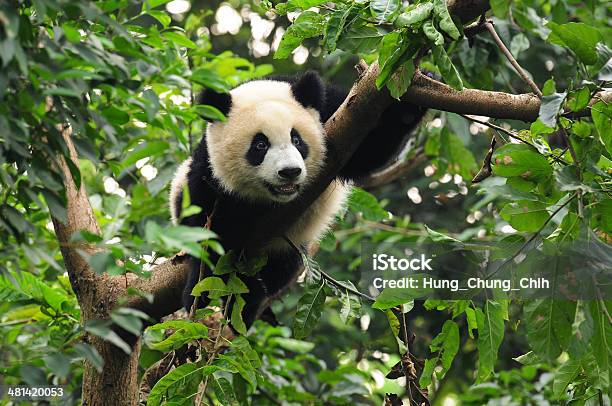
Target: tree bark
{"x": 117, "y": 384}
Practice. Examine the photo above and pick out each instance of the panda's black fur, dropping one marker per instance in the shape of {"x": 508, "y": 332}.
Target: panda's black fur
{"x": 379, "y": 147}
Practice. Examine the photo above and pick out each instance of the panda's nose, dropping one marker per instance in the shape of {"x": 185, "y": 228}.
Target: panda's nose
{"x": 289, "y": 173}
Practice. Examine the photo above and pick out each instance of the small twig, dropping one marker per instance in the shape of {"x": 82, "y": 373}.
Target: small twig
{"x": 569, "y": 145}
{"x": 394, "y": 171}
{"x": 406, "y": 371}
{"x": 329, "y": 278}
{"x": 486, "y": 170}
{"x": 515, "y": 64}
{"x": 533, "y": 237}
{"x": 474, "y": 29}
{"x": 216, "y": 346}
{"x": 361, "y": 67}
{"x": 196, "y": 300}
{"x": 572, "y": 151}
{"x": 512, "y": 135}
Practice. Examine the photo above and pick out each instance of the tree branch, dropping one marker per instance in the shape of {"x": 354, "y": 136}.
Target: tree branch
{"x": 79, "y": 216}
{"x": 394, "y": 171}
{"x": 522, "y": 73}
{"x": 431, "y": 93}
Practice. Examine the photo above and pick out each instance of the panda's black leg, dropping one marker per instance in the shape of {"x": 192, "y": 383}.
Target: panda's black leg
{"x": 253, "y": 299}
{"x": 384, "y": 142}
{"x": 279, "y": 272}
{"x": 192, "y": 280}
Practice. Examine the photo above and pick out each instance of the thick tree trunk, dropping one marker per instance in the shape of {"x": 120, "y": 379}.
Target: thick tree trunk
{"x": 117, "y": 384}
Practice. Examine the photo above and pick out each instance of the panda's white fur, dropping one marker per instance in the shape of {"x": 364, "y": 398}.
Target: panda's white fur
{"x": 268, "y": 106}
{"x": 176, "y": 187}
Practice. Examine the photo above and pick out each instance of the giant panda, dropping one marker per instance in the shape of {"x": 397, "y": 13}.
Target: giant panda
{"x": 271, "y": 145}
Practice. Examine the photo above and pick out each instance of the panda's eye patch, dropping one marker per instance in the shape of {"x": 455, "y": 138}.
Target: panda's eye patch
{"x": 257, "y": 151}
{"x": 298, "y": 143}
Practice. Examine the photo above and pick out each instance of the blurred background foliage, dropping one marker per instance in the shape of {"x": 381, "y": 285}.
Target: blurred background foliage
{"x": 123, "y": 74}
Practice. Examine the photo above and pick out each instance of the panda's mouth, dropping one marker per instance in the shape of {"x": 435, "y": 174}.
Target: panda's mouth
{"x": 286, "y": 189}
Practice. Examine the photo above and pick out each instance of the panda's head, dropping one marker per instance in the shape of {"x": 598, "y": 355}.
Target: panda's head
{"x": 272, "y": 142}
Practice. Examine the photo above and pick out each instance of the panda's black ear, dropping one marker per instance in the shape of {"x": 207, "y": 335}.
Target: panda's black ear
{"x": 309, "y": 90}
{"x": 222, "y": 101}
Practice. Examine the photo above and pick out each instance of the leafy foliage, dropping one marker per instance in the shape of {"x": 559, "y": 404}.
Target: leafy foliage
{"x": 123, "y": 76}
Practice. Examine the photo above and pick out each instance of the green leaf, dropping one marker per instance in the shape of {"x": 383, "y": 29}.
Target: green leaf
{"x": 500, "y": 8}
{"x": 444, "y": 19}
{"x": 293, "y": 345}
{"x": 210, "y": 112}
{"x": 519, "y": 43}
{"x": 392, "y": 48}
{"x": 212, "y": 284}
{"x": 303, "y": 4}
{"x": 115, "y": 116}
{"x": 454, "y": 157}
{"x": 579, "y": 37}
{"x": 128, "y": 322}
{"x": 236, "y": 317}
{"x": 101, "y": 329}
{"x": 335, "y": 26}
{"x": 564, "y": 376}
{"x": 602, "y": 118}
{"x": 308, "y": 24}
{"x": 447, "y": 68}
{"x": 351, "y": 306}
{"x": 72, "y": 34}
{"x": 185, "y": 331}
{"x": 365, "y": 203}
{"x": 236, "y": 286}
{"x": 446, "y": 344}
{"x": 179, "y": 376}
{"x": 394, "y": 324}
{"x": 430, "y": 32}
{"x": 528, "y": 358}
{"x": 414, "y": 15}
{"x": 148, "y": 149}
{"x": 223, "y": 391}
{"x": 490, "y": 335}
{"x": 549, "y": 326}
{"x": 39, "y": 291}
{"x": 550, "y": 107}
{"x": 472, "y": 324}
{"x": 579, "y": 99}
{"x": 392, "y": 297}
{"x": 520, "y": 160}
{"x": 361, "y": 39}
{"x": 525, "y": 215}
{"x": 602, "y": 342}
{"x": 309, "y": 310}
{"x": 210, "y": 79}
{"x": 178, "y": 237}
{"x": 89, "y": 353}
{"x": 401, "y": 79}
{"x": 549, "y": 87}
{"x": 161, "y": 16}
{"x": 384, "y": 10}
{"x": 59, "y": 364}
{"x": 178, "y": 38}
